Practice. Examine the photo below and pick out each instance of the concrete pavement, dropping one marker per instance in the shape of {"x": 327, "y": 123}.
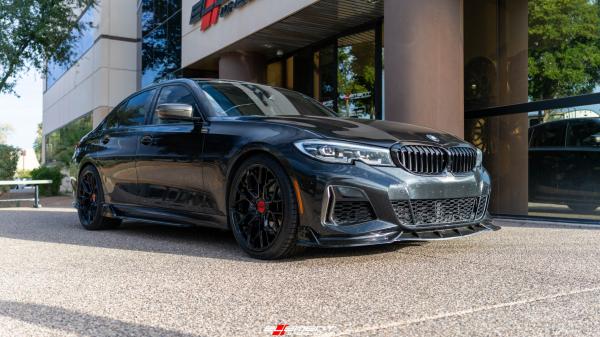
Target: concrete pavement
{"x": 57, "y": 279}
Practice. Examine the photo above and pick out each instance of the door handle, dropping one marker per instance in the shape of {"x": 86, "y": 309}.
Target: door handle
{"x": 146, "y": 140}
{"x": 106, "y": 139}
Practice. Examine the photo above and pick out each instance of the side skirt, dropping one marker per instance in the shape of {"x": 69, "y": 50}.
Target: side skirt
{"x": 163, "y": 216}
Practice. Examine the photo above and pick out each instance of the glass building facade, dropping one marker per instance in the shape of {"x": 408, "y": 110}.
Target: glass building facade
{"x": 344, "y": 73}
{"x": 60, "y": 143}
{"x": 532, "y": 103}
{"x": 160, "y": 22}
{"x": 84, "y": 40}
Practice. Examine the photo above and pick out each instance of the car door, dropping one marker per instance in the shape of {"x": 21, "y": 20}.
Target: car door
{"x": 545, "y": 155}
{"x": 581, "y": 165}
{"x": 169, "y": 162}
{"x": 118, "y": 145}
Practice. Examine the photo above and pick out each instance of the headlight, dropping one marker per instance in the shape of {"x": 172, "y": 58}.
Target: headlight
{"x": 344, "y": 153}
{"x": 479, "y": 160}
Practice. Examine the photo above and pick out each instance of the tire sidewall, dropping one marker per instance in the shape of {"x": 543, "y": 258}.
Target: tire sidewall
{"x": 97, "y": 222}
{"x": 288, "y": 233}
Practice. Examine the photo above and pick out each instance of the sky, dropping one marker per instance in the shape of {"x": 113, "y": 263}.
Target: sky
{"x": 25, "y": 112}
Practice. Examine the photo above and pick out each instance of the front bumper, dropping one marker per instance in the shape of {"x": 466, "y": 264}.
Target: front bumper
{"x": 427, "y": 200}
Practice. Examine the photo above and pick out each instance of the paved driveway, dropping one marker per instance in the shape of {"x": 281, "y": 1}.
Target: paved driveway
{"x": 57, "y": 279}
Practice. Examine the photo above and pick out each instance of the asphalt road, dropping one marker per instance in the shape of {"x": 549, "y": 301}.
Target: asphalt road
{"x": 57, "y": 279}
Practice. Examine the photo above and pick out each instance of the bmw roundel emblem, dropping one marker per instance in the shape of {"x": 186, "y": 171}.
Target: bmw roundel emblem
{"x": 433, "y": 138}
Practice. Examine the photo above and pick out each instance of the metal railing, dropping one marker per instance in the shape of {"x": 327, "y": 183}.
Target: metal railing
{"x": 35, "y": 183}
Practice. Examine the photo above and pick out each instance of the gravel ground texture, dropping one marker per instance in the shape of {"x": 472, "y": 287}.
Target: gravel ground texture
{"x": 56, "y": 279}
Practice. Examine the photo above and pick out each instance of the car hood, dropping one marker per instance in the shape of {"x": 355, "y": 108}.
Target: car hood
{"x": 374, "y": 132}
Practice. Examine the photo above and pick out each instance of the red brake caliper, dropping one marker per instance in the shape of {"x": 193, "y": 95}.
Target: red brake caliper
{"x": 261, "y": 206}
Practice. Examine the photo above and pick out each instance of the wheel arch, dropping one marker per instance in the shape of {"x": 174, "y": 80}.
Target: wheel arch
{"x": 82, "y": 165}
{"x": 254, "y": 150}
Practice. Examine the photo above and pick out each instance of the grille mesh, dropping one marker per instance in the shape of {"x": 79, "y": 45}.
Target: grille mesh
{"x": 443, "y": 211}
{"x": 352, "y": 212}
{"x": 421, "y": 212}
{"x": 402, "y": 210}
{"x": 482, "y": 207}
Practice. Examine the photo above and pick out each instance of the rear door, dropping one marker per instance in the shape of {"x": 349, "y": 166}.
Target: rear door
{"x": 118, "y": 143}
{"x": 169, "y": 157}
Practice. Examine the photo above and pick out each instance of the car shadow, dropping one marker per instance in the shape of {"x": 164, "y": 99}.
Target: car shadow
{"x": 61, "y": 225}
{"x": 78, "y": 323}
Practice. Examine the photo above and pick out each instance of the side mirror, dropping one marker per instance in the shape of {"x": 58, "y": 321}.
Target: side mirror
{"x": 175, "y": 111}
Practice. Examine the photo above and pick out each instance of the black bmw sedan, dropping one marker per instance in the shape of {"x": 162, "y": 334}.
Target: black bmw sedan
{"x": 277, "y": 168}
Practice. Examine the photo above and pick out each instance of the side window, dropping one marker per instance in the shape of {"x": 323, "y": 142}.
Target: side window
{"x": 175, "y": 94}
{"x": 550, "y": 135}
{"x": 131, "y": 112}
{"x": 111, "y": 120}
{"x": 137, "y": 107}
{"x": 584, "y": 133}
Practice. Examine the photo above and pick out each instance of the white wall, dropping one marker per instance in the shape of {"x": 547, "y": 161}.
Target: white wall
{"x": 104, "y": 75}
{"x": 254, "y": 16}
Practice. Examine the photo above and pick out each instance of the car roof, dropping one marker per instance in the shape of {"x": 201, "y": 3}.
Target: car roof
{"x": 565, "y": 121}
{"x": 192, "y": 81}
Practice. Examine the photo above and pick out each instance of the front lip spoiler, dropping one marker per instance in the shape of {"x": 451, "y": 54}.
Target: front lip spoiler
{"x": 311, "y": 239}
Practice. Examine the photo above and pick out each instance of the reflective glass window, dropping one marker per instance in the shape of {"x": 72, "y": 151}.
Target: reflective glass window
{"x": 156, "y": 12}
{"x": 60, "y": 143}
{"x": 242, "y": 99}
{"x": 83, "y": 41}
{"x": 356, "y": 75}
{"x": 519, "y": 51}
{"x": 584, "y": 133}
{"x": 161, "y": 51}
{"x": 542, "y": 163}
{"x": 549, "y": 135}
{"x": 133, "y": 112}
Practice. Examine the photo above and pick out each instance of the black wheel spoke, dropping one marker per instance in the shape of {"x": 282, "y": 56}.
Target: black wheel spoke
{"x": 257, "y": 207}
{"x": 87, "y": 195}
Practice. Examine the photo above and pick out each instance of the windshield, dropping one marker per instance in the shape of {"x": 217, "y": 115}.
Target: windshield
{"x": 246, "y": 99}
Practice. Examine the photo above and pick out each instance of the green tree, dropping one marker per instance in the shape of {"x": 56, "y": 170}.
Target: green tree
{"x": 564, "y": 47}
{"x": 9, "y": 157}
{"x": 35, "y": 31}
{"x": 37, "y": 143}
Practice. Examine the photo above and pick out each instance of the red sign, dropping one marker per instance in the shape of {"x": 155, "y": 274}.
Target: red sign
{"x": 209, "y": 11}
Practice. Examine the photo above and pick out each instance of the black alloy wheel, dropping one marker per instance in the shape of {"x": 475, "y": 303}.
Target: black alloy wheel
{"x": 90, "y": 198}
{"x": 263, "y": 210}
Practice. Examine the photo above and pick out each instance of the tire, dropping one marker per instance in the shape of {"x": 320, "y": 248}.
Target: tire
{"x": 583, "y": 208}
{"x": 263, "y": 210}
{"x": 90, "y": 198}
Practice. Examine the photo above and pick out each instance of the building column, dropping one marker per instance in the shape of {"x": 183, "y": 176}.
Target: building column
{"x": 424, "y": 63}
{"x": 250, "y": 67}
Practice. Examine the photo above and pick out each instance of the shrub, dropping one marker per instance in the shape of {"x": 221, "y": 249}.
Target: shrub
{"x": 23, "y": 174}
{"x": 48, "y": 173}
{"x": 9, "y": 157}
